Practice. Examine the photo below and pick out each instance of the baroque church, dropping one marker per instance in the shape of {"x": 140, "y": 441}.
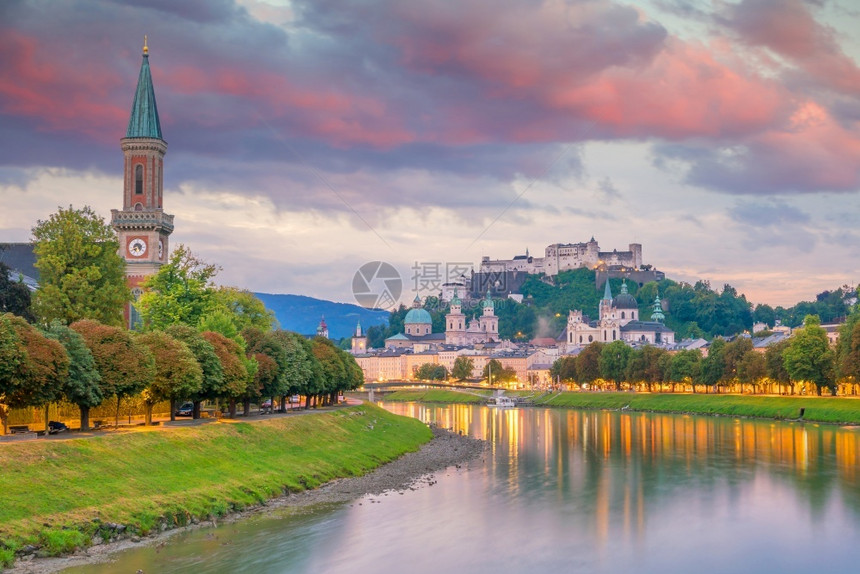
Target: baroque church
{"x": 618, "y": 320}
{"x": 142, "y": 226}
{"x": 418, "y": 332}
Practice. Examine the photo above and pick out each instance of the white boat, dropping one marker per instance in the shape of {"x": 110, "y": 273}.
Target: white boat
{"x": 501, "y": 402}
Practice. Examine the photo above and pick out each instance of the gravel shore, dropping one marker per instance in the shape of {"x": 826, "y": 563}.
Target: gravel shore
{"x": 408, "y": 472}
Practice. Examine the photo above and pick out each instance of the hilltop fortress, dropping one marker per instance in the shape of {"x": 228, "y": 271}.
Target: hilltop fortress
{"x": 565, "y": 256}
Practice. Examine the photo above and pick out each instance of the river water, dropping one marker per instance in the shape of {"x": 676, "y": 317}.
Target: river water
{"x": 571, "y": 491}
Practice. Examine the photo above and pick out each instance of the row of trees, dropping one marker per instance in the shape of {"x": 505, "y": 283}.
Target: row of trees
{"x": 805, "y": 358}
{"x": 193, "y": 341}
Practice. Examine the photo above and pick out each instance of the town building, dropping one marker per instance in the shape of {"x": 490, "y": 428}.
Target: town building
{"x": 566, "y": 256}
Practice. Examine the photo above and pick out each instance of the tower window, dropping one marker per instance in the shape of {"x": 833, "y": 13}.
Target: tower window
{"x": 138, "y": 179}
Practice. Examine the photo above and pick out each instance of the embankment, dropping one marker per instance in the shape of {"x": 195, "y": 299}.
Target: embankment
{"x": 59, "y": 496}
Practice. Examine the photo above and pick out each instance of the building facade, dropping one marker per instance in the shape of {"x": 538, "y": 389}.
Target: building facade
{"x": 566, "y": 256}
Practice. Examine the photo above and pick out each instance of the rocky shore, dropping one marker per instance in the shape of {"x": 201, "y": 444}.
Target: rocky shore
{"x": 411, "y": 471}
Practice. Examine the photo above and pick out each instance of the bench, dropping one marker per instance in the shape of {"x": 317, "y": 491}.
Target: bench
{"x": 15, "y": 429}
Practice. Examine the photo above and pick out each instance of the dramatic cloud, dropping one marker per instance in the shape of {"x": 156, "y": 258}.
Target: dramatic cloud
{"x": 444, "y": 121}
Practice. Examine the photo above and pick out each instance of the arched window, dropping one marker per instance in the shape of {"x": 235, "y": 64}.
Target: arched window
{"x": 580, "y": 338}
{"x": 622, "y": 314}
{"x": 613, "y": 334}
{"x": 590, "y": 338}
{"x": 138, "y": 179}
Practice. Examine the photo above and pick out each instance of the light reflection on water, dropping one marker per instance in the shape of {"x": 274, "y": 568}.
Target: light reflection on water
{"x": 575, "y": 491}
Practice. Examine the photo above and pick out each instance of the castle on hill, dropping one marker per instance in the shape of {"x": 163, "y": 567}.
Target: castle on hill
{"x": 566, "y": 256}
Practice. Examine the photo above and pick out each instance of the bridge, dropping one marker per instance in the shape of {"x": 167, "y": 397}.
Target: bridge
{"x": 463, "y": 387}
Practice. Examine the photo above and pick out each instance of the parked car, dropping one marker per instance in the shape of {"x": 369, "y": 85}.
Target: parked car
{"x": 295, "y": 399}
{"x": 266, "y": 406}
{"x": 185, "y": 410}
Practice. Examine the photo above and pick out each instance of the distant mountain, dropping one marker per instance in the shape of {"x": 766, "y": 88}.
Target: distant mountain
{"x": 302, "y": 314}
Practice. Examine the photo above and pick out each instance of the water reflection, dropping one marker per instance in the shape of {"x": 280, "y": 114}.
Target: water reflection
{"x": 634, "y": 460}
{"x": 572, "y": 491}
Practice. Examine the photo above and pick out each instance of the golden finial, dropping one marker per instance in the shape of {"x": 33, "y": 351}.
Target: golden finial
{"x": 145, "y": 47}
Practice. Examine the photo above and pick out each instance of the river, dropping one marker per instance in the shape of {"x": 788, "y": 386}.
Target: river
{"x": 570, "y": 491}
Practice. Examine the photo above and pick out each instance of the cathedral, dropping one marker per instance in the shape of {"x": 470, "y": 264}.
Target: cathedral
{"x": 618, "y": 320}
{"x": 142, "y": 226}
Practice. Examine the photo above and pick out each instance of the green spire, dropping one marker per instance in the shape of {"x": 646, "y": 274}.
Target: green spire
{"x": 488, "y": 300}
{"x": 456, "y": 299}
{"x": 657, "y": 313}
{"x": 607, "y": 292}
{"x": 624, "y": 287}
{"x": 144, "y": 122}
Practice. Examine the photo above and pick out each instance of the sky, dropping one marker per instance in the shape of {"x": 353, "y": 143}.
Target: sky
{"x": 307, "y": 138}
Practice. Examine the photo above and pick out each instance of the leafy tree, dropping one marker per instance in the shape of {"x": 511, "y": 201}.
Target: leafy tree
{"x": 500, "y": 374}
{"x": 647, "y": 364}
{"x": 180, "y": 293}
{"x": 125, "y": 367}
{"x": 14, "y": 296}
{"x": 809, "y": 357}
{"x": 332, "y": 370}
{"x": 765, "y": 314}
{"x": 299, "y": 368}
{"x": 245, "y": 308}
{"x": 686, "y": 366}
{"x": 774, "y": 363}
{"x": 588, "y": 363}
{"x": 212, "y": 383}
{"x": 81, "y": 275}
{"x": 564, "y": 368}
{"x": 713, "y": 366}
{"x": 222, "y": 322}
{"x": 83, "y": 385}
{"x": 463, "y": 367}
{"x": 751, "y": 368}
{"x": 613, "y": 361}
{"x": 431, "y": 372}
{"x": 733, "y": 353}
{"x": 848, "y": 350}
{"x": 12, "y": 355}
{"x": 177, "y": 373}
{"x": 233, "y": 366}
{"x": 42, "y": 372}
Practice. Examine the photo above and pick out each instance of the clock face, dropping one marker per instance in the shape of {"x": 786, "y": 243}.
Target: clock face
{"x": 137, "y": 247}
{"x": 161, "y": 249}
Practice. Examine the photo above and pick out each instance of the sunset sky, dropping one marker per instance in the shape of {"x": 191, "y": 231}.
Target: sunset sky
{"x": 306, "y": 138}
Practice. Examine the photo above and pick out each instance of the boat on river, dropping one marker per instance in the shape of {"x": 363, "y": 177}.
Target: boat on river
{"x": 501, "y": 402}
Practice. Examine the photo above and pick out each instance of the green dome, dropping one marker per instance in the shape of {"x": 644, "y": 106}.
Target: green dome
{"x": 418, "y": 316}
{"x": 488, "y": 301}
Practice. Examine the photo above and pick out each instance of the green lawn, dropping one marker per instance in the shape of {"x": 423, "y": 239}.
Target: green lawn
{"x": 57, "y": 494}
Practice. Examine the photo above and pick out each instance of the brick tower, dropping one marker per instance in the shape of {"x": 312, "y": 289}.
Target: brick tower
{"x": 141, "y": 225}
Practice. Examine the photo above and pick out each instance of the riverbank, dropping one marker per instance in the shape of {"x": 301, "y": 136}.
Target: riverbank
{"x": 832, "y": 410}
{"x": 60, "y": 497}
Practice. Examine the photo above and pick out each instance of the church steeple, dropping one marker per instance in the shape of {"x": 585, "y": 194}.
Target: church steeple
{"x": 144, "y": 122}
{"x": 607, "y": 292}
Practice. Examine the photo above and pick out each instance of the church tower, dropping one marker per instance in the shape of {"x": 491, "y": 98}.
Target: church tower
{"x": 141, "y": 225}
{"x": 359, "y": 341}
{"x": 455, "y": 323}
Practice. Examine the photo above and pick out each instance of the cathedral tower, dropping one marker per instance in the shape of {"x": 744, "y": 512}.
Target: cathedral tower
{"x": 141, "y": 225}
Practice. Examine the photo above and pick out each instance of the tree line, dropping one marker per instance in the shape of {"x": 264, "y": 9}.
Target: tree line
{"x": 193, "y": 341}
{"x": 805, "y": 361}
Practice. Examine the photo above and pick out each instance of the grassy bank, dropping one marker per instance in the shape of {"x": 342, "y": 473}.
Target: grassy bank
{"x": 58, "y": 495}
{"x": 436, "y": 396}
{"x": 819, "y": 409}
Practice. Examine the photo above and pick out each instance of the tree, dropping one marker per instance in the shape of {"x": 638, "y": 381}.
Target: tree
{"x": 245, "y": 308}
{"x": 647, "y": 364}
{"x": 180, "y": 293}
{"x": 713, "y": 366}
{"x": 774, "y": 363}
{"x": 463, "y": 367}
{"x": 733, "y": 353}
{"x": 809, "y": 357}
{"x": 81, "y": 275}
{"x": 751, "y": 368}
{"x": 42, "y": 371}
{"x": 233, "y": 365}
{"x": 613, "y": 361}
{"x": 14, "y": 296}
{"x": 12, "y": 354}
{"x": 431, "y": 372}
{"x": 686, "y": 366}
{"x": 125, "y": 367}
{"x": 83, "y": 385}
{"x": 494, "y": 372}
{"x": 588, "y": 363}
{"x": 332, "y": 370}
{"x": 564, "y": 369}
{"x": 177, "y": 373}
{"x": 212, "y": 384}
{"x": 848, "y": 351}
